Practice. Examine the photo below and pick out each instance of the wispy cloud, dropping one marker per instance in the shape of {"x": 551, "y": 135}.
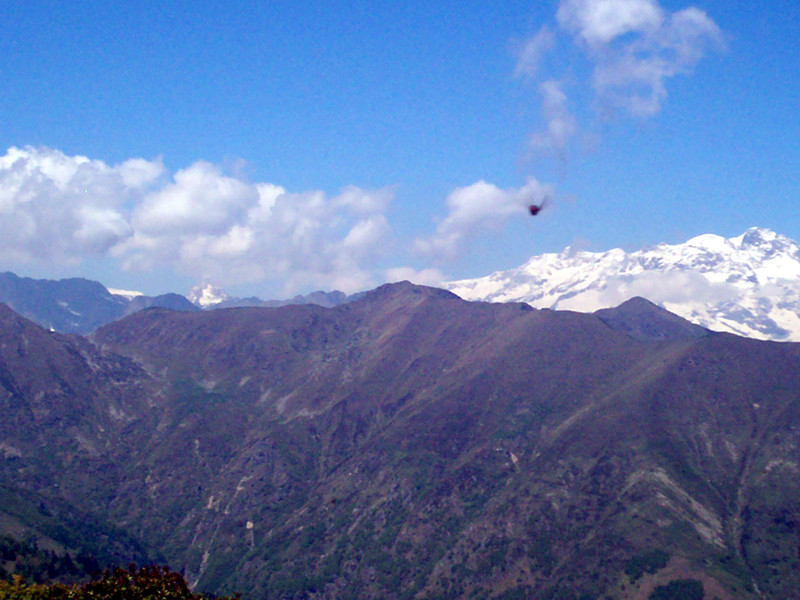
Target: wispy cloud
{"x": 632, "y": 76}
{"x": 531, "y": 52}
{"x": 631, "y": 48}
{"x": 560, "y": 123}
{"x": 628, "y": 49}
{"x": 599, "y": 22}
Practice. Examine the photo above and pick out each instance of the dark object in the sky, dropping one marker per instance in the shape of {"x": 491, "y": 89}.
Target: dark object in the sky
{"x": 535, "y": 208}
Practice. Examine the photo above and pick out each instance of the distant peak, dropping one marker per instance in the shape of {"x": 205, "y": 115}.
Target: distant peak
{"x": 756, "y": 236}
{"x": 639, "y": 303}
{"x": 765, "y": 242}
{"x": 709, "y": 241}
{"x": 406, "y": 288}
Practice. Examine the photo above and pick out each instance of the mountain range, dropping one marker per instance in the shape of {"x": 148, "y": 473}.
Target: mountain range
{"x": 76, "y": 305}
{"x": 748, "y": 285}
{"x": 410, "y": 444}
{"x": 208, "y": 296}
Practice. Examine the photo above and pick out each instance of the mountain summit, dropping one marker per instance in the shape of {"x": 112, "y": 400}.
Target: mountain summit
{"x": 748, "y": 285}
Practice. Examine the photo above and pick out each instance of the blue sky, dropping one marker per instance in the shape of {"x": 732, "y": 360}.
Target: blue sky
{"x": 279, "y": 147}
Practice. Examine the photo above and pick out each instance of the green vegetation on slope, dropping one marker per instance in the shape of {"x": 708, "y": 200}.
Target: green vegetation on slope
{"x": 25, "y": 559}
{"x": 133, "y": 583}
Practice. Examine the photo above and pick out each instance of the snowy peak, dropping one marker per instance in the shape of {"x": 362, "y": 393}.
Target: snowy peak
{"x": 749, "y": 284}
{"x": 765, "y": 240}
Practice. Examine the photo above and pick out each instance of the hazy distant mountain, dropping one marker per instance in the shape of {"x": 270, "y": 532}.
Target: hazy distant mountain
{"x": 171, "y": 301}
{"x": 76, "y": 305}
{"x": 749, "y": 285}
{"x": 413, "y": 445}
{"x": 208, "y": 296}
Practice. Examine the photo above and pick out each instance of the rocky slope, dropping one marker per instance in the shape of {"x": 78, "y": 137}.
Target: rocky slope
{"x": 413, "y": 445}
{"x": 63, "y": 438}
{"x": 748, "y": 285}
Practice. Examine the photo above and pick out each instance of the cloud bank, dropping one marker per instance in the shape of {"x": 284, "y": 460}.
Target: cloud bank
{"x": 668, "y": 288}
{"x": 201, "y": 222}
{"x": 214, "y": 227}
{"x": 59, "y": 208}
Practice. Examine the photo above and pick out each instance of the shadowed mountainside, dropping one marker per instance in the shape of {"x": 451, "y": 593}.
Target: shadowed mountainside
{"x": 413, "y": 445}
{"x": 63, "y": 438}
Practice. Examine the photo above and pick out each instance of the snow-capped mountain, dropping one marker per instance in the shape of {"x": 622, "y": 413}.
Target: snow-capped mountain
{"x": 748, "y": 285}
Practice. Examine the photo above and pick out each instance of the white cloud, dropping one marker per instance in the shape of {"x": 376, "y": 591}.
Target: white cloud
{"x": 666, "y": 288}
{"x": 634, "y": 47}
{"x": 599, "y": 22}
{"x": 632, "y": 77}
{"x": 201, "y": 199}
{"x": 365, "y": 202}
{"x": 367, "y": 234}
{"x": 477, "y": 209}
{"x": 99, "y": 228}
{"x": 200, "y": 222}
{"x": 140, "y": 173}
{"x": 689, "y": 33}
{"x": 217, "y": 228}
{"x": 60, "y": 208}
